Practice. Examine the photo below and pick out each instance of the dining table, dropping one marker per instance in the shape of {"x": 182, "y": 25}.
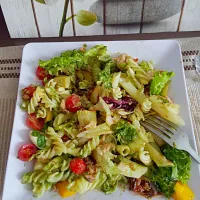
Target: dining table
{"x": 10, "y": 61}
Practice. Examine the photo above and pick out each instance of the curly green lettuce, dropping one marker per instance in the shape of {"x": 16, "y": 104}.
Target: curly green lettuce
{"x": 105, "y": 76}
{"x": 124, "y": 132}
{"x": 110, "y": 185}
{"x": 72, "y": 60}
{"x": 67, "y": 62}
{"x": 159, "y": 81}
{"x": 182, "y": 161}
{"x": 165, "y": 178}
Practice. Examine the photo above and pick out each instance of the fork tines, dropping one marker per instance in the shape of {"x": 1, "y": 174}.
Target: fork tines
{"x": 157, "y": 123}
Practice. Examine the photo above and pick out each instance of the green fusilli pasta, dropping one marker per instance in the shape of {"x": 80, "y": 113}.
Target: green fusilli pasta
{"x": 56, "y": 170}
{"x": 37, "y": 95}
{"x": 49, "y": 103}
{"x": 41, "y": 112}
{"x": 39, "y": 188}
{"x": 89, "y": 147}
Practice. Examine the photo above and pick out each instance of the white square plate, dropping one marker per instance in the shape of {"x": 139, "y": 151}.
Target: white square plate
{"x": 166, "y": 54}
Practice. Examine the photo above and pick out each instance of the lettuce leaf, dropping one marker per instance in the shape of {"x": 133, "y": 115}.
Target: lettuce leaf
{"x": 71, "y": 60}
{"x": 165, "y": 178}
{"x": 67, "y": 62}
{"x": 97, "y": 50}
{"x": 105, "y": 75}
{"x": 124, "y": 132}
{"x": 159, "y": 81}
{"x": 181, "y": 159}
{"x": 110, "y": 185}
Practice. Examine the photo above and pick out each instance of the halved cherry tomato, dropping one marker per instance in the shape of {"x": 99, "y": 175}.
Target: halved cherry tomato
{"x": 42, "y": 73}
{"x": 73, "y": 103}
{"x": 34, "y": 123}
{"x": 27, "y": 93}
{"x": 78, "y": 165}
{"x": 26, "y": 151}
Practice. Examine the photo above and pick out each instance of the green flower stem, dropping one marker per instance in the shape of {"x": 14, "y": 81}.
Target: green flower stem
{"x": 69, "y": 18}
{"x": 63, "y": 22}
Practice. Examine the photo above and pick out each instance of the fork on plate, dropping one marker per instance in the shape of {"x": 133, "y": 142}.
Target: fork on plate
{"x": 169, "y": 133}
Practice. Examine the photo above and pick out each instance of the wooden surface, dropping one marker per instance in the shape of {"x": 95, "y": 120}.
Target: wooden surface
{"x": 191, "y": 16}
{"x": 28, "y": 18}
{"x": 19, "y": 18}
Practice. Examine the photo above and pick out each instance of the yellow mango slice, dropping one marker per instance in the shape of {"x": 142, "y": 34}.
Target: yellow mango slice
{"x": 182, "y": 192}
{"x": 62, "y": 189}
{"x": 49, "y": 116}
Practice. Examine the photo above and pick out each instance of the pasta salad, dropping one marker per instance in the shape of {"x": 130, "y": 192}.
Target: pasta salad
{"x": 85, "y": 126}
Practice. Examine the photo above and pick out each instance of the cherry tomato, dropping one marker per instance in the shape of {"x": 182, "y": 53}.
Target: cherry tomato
{"x": 65, "y": 138}
{"x": 27, "y": 92}
{"x": 78, "y": 165}
{"x": 26, "y": 151}
{"x": 73, "y": 103}
{"x": 42, "y": 73}
{"x": 34, "y": 123}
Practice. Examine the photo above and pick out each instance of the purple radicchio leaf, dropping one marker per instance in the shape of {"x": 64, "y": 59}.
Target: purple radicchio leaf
{"x": 126, "y": 103}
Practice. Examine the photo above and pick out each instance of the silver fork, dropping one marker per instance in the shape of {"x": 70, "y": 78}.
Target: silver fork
{"x": 169, "y": 133}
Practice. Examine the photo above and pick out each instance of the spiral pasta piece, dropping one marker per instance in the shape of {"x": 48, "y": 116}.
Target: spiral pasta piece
{"x": 66, "y": 176}
{"x": 140, "y": 74}
{"x": 117, "y": 93}
{"x": 89, "y": 147}
{"x": 145, "y": 157}
{"x": 38, "y": 189}
{"x": 63, "y": 92}
{"x": 146, "y": 105}
{"x": 41, "y": 112}
{"x": 45, "y": 154}
{"x": 37, "y": 95}
{"x": 136, "y": 83}
{"x": 59, "y": 147}
{"x": 71, "y": 147}
{"x": 35, "y": 176}
{"x": 55, "y": 177}
{"x": 60, "y": 119}
{"x": 48, "y": 102}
